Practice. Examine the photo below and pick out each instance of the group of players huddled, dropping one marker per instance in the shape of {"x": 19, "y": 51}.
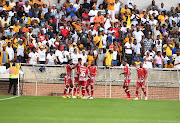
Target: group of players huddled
{"x": 82, "y": 71}
{"x": 81, "y": 82}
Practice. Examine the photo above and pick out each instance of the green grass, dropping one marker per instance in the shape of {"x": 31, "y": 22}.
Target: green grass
{"x": 27, "y": 109}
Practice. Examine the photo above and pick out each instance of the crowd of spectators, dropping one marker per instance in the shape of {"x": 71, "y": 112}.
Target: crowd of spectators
{"x": 37, "y": 33}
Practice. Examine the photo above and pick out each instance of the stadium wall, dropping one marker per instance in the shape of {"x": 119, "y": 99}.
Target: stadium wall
{"x": 141, "y": 4}
{"x": 157, "y": 93}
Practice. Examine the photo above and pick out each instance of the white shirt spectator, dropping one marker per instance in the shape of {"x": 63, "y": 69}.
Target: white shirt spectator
{"x": 156, "y": 13}
{"x": 42, "y": 55}
{"x": 148, "y": 64}
{"x": 153, "y": 23}
{"x": 20, "y": 50}
{"x": 26, "y": 9}
{"x": 75, "y": 57}
{"x": 77, "y": 6}
{"x": 65, "y": 54}
{"x": 51, "y": 59}
{"x": 84, "y": 58}
{"x": 10, "y": 53}
{"x": 130, "y": 4}
{"x": 137, "y": 48}
{"x": 177, "y": 61}
{"x": 92, "y": 13}
{"x": 138, "y": 36}
{"x": 162, "y": 9}
{"x": 59, "y": 54}
{"x": 33, "y": 58}
{"x": 129, "y": 46}
{"x": 115, "y": 55}
{"x": 117, "y": 7}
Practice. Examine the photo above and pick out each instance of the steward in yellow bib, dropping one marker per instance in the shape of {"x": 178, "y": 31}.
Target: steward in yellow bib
{"x": 13, "y": 76}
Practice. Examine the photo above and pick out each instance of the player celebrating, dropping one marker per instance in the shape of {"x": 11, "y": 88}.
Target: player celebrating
{"x": 93, "y": 72}
{"x": 142, "y": 75}
{"x": 126, "y": 79}
{"x": 83, "y": 72}
{"x": 76, "y": 79}
{"x": 68, "y": 80}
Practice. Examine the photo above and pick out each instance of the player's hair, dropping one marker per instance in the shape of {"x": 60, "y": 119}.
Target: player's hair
{"x": 79, "y": 59}
{"x": 69, "y": 60}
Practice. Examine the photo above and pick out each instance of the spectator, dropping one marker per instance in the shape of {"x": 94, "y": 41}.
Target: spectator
{"x": 148, "y": 60}
{"x": 148, "y": 43}
{"x": 51, "y": 58}
{"x": 168, "y": 49}
{"x": 168, "y": 65}
{"x": 71, "y": 11}
{"x": 158, "y": 61}
{"x": 42, "y": 54}
{"x": 86, "y": 5}
{"x": 108, "y": 58}
{"x": 100, "y": 58}
{"x": 33, "y": 57}
{"x": 83, "y": 56}
{"x": 153, "y": 5}
{"x": 10, "y": 51}
{"x": 110, "y": 8}
{"x": 4, "y": 57}
{"x": 98, "y": 20}
{"x": 177, "y": 60}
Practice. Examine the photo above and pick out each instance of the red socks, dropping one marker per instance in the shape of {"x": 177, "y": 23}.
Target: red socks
{"x": 137, "y": 93}
{"x": 78, "y": 89}
{"x": 83, "y": 92}
{"x": 145, "y": 93}
{"x": 74, "y": 91}
{"x": 70, "y": 89}
{"x": 87, "y": 90}
{"x": 127, "y": 92}
{"x": 92, "y": 92}
{"x": 65, "y": 90}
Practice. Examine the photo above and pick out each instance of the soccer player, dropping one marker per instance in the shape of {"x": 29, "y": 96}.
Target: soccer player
{"x": 93, "y": 73}
{"x": 83, "y": 72}
{"x": 68, "y": 80}
{"x": 126, "y": 79}
{"x": 76, "y": 79}
{"x": 142, "y": 75}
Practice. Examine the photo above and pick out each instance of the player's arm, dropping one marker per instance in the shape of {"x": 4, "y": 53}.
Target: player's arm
{"x": 74, "y": 66}
{"x": 95, "y": 72}
{"x": 123, "y": 73}
{"x": 145, "y": 72}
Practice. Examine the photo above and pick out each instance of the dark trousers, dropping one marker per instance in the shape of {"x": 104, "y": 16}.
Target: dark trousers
{"x": 13, "y": 82}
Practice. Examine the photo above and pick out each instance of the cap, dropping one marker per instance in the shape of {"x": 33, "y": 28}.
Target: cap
{"x": 3, "y": 45}
{"x": 51, "y": 50}
{"x": 4, "y": 9}
{"x": 92, "y": 26}
{"x": 148, "y": 51}
{"x": 63, "y": 7}
{"x": 113, "y": 31}
{"x": 74, "y": 43}
{"x": 11, "y": 27}
{"x": 83, "y": 50}
{"x": 71, "y": 4}
{"x": 144, "y": 10}
{"x": 9, "y": 35}
{"x": 41, "y": 46}
{"x": 54, "y": 4}
{"x": 23, "y": 38}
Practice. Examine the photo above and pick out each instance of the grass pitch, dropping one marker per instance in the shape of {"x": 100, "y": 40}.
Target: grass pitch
{"x": 27, "y": 109}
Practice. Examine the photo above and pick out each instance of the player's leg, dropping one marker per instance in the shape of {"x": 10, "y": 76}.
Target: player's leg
{"x": 144, "y": 90}
{"x": 128, "y": 92}
{"x": 66, "y": 87}
{"x": 75, "y": 86}
{"x": 87, "y": 89}
{"x": 83, "y": 89}
{"x": 92, "y": 91}
{"x": 78, "y": 88}
{"x": 70, "y": 89}
{"x": 137, "y": 90}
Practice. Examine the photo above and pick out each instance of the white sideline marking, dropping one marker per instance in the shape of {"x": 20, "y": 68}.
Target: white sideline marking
{"x": 8, "y": 98}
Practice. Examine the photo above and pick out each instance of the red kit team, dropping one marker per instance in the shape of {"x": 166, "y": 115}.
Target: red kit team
{"x": 85, "y": 77}
{"x": 80, "y": 79}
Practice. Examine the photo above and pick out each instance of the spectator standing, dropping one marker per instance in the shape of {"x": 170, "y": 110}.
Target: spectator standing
{"x": 158, "y": 61}
{"x": 108, "y": 58}
{"x": 168, "y": 49}
{"x": 71, "y": 11}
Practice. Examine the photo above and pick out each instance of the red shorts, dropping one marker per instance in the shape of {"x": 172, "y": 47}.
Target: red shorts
{"x": 82, "y": 83}
{"x": 76, "y": 81}
{"x": 68, "y": 81}
{"x": 90, "y": 82}
{"x": 127, "y": 82}
{"x": 140, "y": 84}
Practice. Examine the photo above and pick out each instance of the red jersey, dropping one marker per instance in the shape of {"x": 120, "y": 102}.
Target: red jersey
{"x": 127, "y": 74}
{"x": 92, "y": 71}
{"x": 68, "y": 70}
{"x": 142, "y": 72}
{"x": 83, "y": 72}
{"x": 77, "y": 68}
